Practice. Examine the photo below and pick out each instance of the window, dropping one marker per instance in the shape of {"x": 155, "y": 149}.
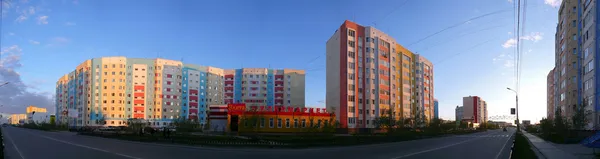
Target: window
{"x": 585, "y": 53}
{"x": 287, "y": 123}
{"x": 589, "y": 67}
{"x": 279, "y": 123}
{"x": 351, "y": 33}
{"x": 271, "y": 123}
{"x": 262, "y": 122}
{"x": 295, "y": 123}
{"x": 303, "y": 123}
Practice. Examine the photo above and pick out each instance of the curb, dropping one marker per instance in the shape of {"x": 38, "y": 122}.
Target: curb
{"x": 512, "y": 147}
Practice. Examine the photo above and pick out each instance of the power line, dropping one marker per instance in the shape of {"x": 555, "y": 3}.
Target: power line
{"x": 462, "y": 35}
{"x": 392, "y": 11}
{"x": 458, "y": 24}
{"x": 463, "y": 51}
{"x": 521, "y": 45}
{"x": 518, "y": 40}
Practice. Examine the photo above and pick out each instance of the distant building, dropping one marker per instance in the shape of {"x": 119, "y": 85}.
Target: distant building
{"x": 31, "y": 109}
{"x": 436, "y": 111}
{"x": 278, "y": 119}
{"x": 526, "y": 123}
{"x": 17, "y": 118}
{"x": 475, "y": 109}
{"x": 550, "y": 95}
{"x": 107, "y": 91}
{"x": 458, "y": 113}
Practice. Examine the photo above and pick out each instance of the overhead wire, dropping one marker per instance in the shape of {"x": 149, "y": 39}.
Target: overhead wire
{"x": 458, "y": 24}
{"x": 521, "y": 45}
{"x": 518, "y": 42}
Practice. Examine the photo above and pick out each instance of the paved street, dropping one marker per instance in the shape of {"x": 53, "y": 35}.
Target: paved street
{"x": 32, "y": 144}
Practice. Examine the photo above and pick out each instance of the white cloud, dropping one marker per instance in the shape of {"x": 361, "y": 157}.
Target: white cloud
{"x": 510, "y": 1}
{"x": 31, "y": 10}
{"x": 11, "y": 33}
{"x": 42, "y": 19}
{"x": 70, "y": 23}
{"x": 21, "y": 18}
{"x": 553, "y": 3}
{"x": 34, "y": 42}
{"x": 58, "y": 41}
{"x": 15, "y": 95}
{"x": 6, "y": 5}
{"x": 509, "y": 43}
{"x": 534, "y": 36}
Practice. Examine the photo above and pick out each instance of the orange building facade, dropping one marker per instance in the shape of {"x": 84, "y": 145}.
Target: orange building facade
{"x": 278, "y": 119}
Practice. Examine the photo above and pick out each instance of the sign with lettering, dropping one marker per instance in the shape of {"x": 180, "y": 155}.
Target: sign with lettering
{"x": 236, "y": 107}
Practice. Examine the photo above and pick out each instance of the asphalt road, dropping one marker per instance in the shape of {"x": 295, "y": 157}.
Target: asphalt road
{"x": 33, "y": 144}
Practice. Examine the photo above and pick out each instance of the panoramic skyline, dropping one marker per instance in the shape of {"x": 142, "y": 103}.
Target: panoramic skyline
{"x": 469, "y": 43}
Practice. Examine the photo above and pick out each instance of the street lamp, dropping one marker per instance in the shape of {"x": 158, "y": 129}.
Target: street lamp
{"x": 517, "y": 108}
{"x": 5, "y": 83}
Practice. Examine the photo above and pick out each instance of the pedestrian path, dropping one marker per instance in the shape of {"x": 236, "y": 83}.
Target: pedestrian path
{"x": 493, "y": 136}
{"x": 547, "y": 149}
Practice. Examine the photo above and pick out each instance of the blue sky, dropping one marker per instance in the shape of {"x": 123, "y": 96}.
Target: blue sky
{"x": 474, "y": 58}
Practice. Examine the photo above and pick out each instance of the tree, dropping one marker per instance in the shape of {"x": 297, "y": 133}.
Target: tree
{"x": 547, "y": 127}
{"x": 101, "y": 121}
{"x": 135, "y": 125}
{"x": 385, "y": 121}
{"x": 560, "y": 125}
{"x": 579, "y": 118}
{"x": 184, "y": 125}
{"x": 435, "y": 125}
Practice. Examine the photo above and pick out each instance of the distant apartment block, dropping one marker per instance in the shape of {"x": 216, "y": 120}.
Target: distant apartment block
{"x": 18, "y": 118}
{"x": 474, "y": 110}
{"x": 114, "y": 89}
{"x": 30, "y": 109}
{"x": 436, "y": 109}
{"x": 550, "y": 100}
{"x": 458, "y": 113}
{"x": 370, "y": 75}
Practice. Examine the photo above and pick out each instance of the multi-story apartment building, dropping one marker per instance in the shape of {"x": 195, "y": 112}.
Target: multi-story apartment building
{"x": 574, "y": 78}
{"x": 458, "y": 113}
{"x": 261, "y": 86}
{"x": 550, "y": 95}
{"x": 474, "y": 110}
{"x": 370, "y": 75}
{"x": 110, "y": 90}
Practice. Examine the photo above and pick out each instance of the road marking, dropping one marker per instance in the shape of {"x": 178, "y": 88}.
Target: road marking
{"x": 425, "y": 151}
{"x": 93, "y": 148}
{"x": 438, "y": 148}
{"x": 498, "y": 155}
{"x": 14, "y": 145}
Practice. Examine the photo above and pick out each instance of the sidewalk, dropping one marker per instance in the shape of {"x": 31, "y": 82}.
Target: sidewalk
{"x": 558, "y": 151}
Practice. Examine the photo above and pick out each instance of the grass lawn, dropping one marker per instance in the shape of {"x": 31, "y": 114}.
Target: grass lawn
{"x": 522, "y": 149}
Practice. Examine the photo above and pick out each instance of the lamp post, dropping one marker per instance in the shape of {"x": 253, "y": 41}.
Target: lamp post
{"x": 517, "y": 108}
